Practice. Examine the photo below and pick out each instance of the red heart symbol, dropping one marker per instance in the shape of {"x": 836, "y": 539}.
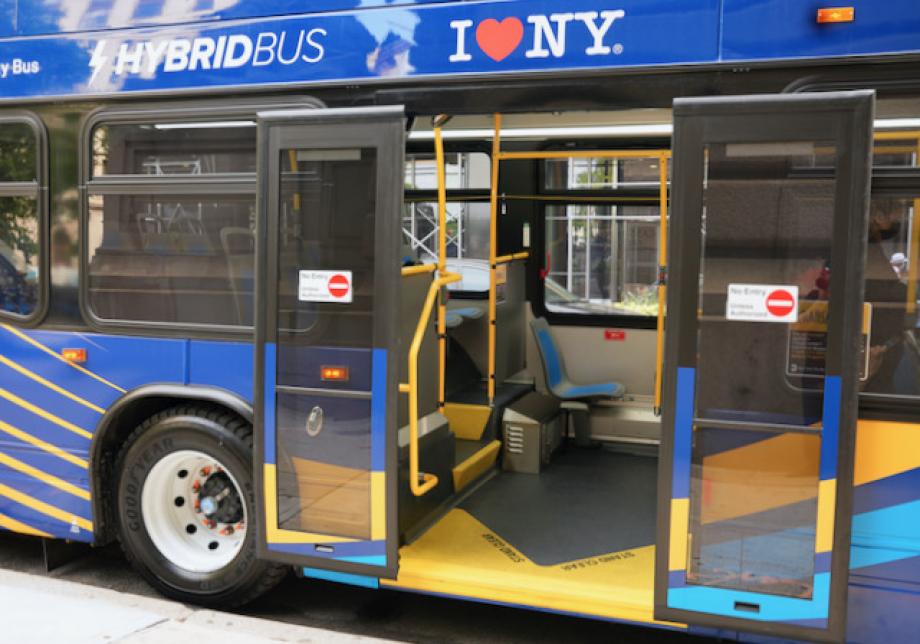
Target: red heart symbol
{"x": 499, "y": 39}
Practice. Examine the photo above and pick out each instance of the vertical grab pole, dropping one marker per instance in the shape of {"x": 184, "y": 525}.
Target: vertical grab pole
{"x": 442, "y": 256}
{"x": 493, "y": 249}
{"x": 662, "y": 272}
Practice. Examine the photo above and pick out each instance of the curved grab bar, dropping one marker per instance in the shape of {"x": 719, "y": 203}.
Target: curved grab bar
{"x": 420, "y": 482}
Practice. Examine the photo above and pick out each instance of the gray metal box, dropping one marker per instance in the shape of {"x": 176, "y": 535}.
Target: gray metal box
{"x": 532, "y": 431}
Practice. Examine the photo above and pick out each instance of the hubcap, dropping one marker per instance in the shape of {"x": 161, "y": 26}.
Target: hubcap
{"x": 193, "y": 511}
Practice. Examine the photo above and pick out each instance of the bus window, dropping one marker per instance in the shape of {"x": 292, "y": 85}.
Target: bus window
{"x": 19, "y": 220}
{"x": 600, "y": 174}
{"x": 467, "y": 217}
{"x": 167, "y": 252}
{"x": 462, "y": 171}
{"x": 891, "y": 290}
{"x": 602, "y": 259}
{"x": 174, "y": 148}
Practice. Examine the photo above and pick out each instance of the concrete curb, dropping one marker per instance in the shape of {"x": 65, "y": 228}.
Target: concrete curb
{"x": 44, "y": 610}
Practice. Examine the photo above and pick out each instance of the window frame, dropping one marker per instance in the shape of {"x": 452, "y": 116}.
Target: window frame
{"x": 601, "y": 196}
{"x": 235, "y": 184}
{"x": 39, "y": 191}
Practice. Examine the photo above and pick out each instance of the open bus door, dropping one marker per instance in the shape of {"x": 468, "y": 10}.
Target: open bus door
{"x": 765, "y": 348}
{"x": 330, "y": 197}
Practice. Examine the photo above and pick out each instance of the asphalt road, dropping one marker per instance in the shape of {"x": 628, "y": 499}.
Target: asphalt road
{"x": 384, "y": 613}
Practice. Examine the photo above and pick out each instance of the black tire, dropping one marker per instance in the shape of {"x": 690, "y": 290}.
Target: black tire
{"x": 228, "y": 439}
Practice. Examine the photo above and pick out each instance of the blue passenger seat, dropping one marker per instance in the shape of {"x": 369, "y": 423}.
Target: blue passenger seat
{"x": 575, "y": 397}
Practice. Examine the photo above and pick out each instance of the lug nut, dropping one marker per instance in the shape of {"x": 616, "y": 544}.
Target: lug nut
{"x": 205, "y": 471}
{"x": 196, "y": 486}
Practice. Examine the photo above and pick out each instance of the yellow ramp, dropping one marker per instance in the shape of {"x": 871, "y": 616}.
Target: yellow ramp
{"x": 461, "y": 556}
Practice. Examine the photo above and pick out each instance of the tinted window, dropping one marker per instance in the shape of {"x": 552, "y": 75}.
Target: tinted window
{"x": 158, "y": 149}
{"x": 602, "y": 259}
{"x": 891, "y": 291}
{"x": 18, "y": 152}
{"x": 171, "y": 258}
{"x": 19, "y": 220}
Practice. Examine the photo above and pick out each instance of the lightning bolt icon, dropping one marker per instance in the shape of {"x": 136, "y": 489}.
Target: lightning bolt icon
{"x": 98, "y": 61}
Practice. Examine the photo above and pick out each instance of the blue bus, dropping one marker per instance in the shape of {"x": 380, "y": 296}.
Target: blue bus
{"x": 606, "y": 309}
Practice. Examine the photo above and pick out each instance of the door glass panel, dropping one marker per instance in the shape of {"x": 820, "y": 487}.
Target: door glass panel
{"x": 767, "y": 222}
{"x": 325, "y": 228}
{"x": 753, "y": 522}
{"x": 765, "y": 286}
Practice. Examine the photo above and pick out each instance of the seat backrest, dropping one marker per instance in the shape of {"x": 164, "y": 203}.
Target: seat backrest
{"x": 553, "y": 365}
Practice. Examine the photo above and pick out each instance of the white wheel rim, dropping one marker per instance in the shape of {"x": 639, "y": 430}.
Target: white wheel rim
{"x": 187, "y": 526}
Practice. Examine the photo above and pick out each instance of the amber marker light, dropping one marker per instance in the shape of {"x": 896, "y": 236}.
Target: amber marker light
{"x": 830, "y": 15}
{"x": 77, "y": 356}
{"x": 339, "y": 374}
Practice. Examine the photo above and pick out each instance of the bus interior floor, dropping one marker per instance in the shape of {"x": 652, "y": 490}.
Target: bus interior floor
{"x": 578, "y": 538}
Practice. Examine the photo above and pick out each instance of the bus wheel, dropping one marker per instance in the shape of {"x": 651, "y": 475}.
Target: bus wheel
{"x": 186, "y": 507}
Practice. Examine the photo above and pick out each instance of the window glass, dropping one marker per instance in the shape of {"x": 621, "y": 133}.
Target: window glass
{"x": 19, "y": 255}
{"x": 602, "y": 259}
{"x": 462, "y": 171}
{"x": 171, "y": 258}
{"x": 158, "y": 149}
{"x": 600, "y": 174}
{"x": 327, "y": 219}
{"x": 896, "y": 149}
{"x": 891, "y": 290}
{"x": 18, "y": 150}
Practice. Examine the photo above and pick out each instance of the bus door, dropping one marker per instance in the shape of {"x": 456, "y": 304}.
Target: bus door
{"x": 330, "y": 199}
{"x": 765, "y": 348}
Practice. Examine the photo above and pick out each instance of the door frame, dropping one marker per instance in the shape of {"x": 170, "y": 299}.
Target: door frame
{"x": 382, "y": 128}
{"x": 842, "y": 117}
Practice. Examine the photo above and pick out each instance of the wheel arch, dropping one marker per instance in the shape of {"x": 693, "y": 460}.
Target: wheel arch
{"x": 122, "y": 418}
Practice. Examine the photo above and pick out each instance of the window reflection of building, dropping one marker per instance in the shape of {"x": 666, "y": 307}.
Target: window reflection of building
{"x": 603, "y": 257}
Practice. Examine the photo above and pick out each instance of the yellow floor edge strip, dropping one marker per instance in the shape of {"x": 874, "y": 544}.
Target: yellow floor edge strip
{"x": 473, "y": 467}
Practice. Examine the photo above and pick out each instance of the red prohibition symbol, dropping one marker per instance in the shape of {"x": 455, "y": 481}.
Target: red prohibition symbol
{"x": 338, "y": 285}
{"x": 780, "y": 303}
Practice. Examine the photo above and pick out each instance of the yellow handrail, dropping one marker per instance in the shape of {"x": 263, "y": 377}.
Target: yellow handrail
{"x": 411, "y": 388}
{"x": 513, "y": 257}
{"x": 418, "y": 270}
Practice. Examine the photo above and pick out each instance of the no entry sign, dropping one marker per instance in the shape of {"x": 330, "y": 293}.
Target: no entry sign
{"x": 762, "y": 303}
{"x": 325, "y": 286}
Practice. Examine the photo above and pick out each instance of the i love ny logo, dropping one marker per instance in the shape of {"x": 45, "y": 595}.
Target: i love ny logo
{"x": 498, "y": 39}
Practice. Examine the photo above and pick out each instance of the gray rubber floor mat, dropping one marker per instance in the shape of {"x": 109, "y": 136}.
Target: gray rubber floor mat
{"x": 588, "y": 502}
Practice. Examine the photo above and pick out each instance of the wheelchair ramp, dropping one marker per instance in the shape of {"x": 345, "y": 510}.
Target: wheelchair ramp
{"x": 577, "y": 538}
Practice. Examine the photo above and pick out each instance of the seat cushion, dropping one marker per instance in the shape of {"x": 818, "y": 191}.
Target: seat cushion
{"x": 600, "y": 390}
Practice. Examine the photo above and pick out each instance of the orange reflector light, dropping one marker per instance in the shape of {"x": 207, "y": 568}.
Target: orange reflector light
{"x": 836, "y": 14}
{"x": 334, "y": 373}
{"x": 74, "y": 355}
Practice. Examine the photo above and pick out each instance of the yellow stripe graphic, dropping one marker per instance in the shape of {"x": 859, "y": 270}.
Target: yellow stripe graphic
{"x": 47, "y": 415}
{"x": 37, "y": 378}
{"x": 44, "y": 477}
{"x": 42, "y": 445}
{"x": 44, "y": 508}
{"x": 39, "y": 345}
{"x": 18, "y": 526}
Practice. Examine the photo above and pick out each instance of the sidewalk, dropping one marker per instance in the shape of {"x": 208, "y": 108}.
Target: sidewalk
{"x": 36, "y": 609}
